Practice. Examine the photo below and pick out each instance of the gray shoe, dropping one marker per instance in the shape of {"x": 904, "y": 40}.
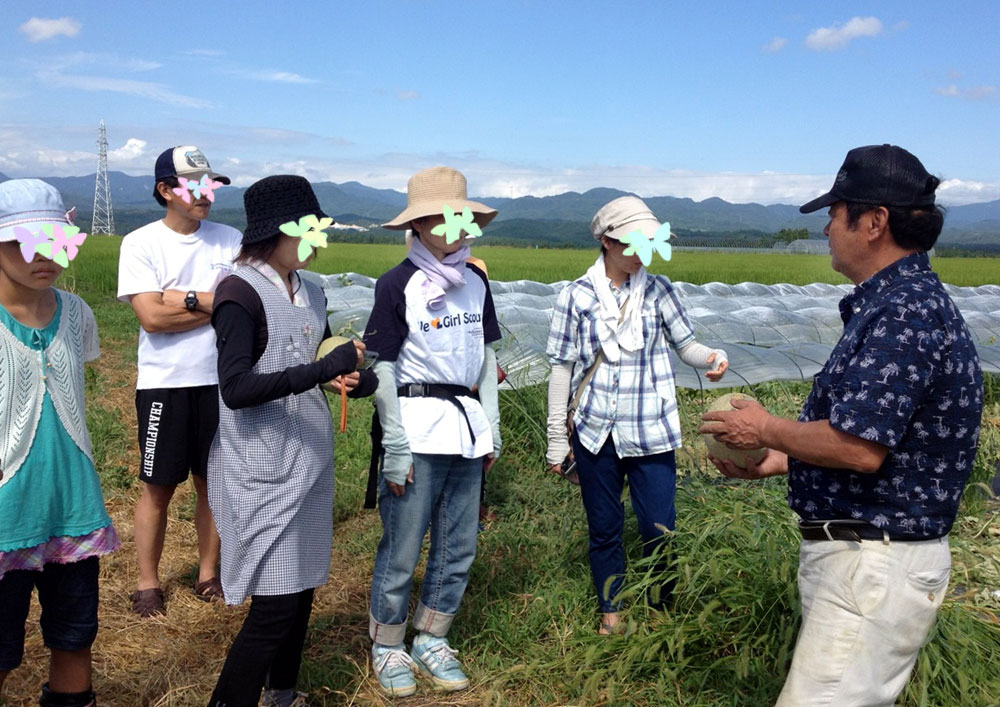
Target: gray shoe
{"x": 283, "y": 698}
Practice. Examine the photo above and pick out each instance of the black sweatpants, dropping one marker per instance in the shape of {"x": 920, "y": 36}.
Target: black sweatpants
{"x": 268, "y": 649}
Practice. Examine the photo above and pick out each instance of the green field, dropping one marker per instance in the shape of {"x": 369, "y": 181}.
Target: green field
{"x": 551, "y": 265}
{"x": 527, "y": 629}
{"x": 698, "y": 267}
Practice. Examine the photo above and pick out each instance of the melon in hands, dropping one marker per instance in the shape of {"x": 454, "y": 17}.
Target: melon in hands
{"x": 325, "y": 347}
{"x": 718, "y": 449}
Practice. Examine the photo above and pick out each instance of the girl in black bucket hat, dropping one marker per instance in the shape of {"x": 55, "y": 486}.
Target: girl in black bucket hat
{"x": 271, "y": 465}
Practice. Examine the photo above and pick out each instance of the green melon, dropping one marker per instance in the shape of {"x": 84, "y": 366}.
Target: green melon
{"x": 719, "y": 450}
{"x": 325, "y": 347}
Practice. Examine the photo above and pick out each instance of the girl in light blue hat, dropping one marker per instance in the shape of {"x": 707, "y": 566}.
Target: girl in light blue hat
{"x": 54, "y": 524}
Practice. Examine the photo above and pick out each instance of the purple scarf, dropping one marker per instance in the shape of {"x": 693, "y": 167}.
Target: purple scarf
{"x": 441, "y": 274}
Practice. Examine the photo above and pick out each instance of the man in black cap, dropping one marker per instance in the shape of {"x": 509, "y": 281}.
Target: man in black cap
{"x": 167, "y": 271}
{"x": 881, "y": 452}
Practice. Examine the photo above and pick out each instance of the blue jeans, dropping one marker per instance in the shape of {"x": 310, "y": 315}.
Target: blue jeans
{"x": 444, "y": 495}
{"x": 652, "y": 484}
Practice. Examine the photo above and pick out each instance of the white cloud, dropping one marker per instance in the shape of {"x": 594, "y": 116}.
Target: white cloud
{"x": 775, "y": 45}
{"x": 140, "y": 89}
{"x": 107, "y": 61}
{"x": 977, "y": 92}
{"x": 38, "y": 29}
{"x": 249, "y": 154}
{"x": 973, "y": 93}
{"x": 275, "y": 76}
{"x": 407, "y": 95}
{"x": 837, "y": 36}
{"x": 955, "y": 192}
{"x": 495, "y": 178}
{"x": 133, "y": 148}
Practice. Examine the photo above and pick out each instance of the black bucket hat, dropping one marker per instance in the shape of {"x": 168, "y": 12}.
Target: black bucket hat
{"x": 275, "y": 200}
{"x": 880, "y": 175}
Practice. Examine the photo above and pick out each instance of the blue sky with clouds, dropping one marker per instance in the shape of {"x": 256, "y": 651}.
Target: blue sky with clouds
{"x": 754, "y": 101}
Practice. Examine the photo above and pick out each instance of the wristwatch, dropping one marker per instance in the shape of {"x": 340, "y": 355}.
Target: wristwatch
{"x": 191, "y": 300}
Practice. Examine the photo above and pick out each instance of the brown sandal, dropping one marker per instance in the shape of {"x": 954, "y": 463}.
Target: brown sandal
{"x": 209, "y": 590}
{"x": 148, "y": 602}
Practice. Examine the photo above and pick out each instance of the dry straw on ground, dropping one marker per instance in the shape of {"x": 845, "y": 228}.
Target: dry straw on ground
{"x": 174, "y": 660}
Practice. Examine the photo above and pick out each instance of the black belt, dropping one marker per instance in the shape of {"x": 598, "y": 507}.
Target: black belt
{"x": 412, "y": 390}
{"x": 852, "y": 530}
{"x": 442, "y": 391}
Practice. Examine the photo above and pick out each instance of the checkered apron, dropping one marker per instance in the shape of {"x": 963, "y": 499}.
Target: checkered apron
{"x": 270, "y": 471}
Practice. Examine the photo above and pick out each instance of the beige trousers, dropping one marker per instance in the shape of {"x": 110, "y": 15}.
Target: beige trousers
{"x": 867, "y": 608}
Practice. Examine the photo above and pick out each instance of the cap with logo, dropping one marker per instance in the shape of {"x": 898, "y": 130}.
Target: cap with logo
{"x": 185, "y": 161}
{"x": 880, "y": 175}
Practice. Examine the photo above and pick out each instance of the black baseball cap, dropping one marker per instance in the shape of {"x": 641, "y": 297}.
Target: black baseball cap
{"x": 880, "y": 175}
{"x": 185, "y": 161}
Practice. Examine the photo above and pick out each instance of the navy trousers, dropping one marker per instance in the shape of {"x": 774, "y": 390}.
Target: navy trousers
{"x": 652, "y": 482}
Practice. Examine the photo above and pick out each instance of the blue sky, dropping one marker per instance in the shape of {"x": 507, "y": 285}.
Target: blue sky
{"x": 754, "y": 101}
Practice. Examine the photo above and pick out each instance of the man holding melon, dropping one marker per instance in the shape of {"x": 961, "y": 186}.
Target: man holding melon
{"x": 880, "y": 455}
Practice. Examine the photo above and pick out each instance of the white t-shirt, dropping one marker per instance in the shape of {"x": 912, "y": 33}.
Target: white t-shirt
{"x": 436, "y": 346}
{"x": 155, "y": 258}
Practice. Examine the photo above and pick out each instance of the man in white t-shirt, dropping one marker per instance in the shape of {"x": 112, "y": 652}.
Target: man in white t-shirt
{"x": 168, "y": 271}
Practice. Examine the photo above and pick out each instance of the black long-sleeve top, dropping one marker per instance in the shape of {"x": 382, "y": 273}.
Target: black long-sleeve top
{"x": 241, "y": 337}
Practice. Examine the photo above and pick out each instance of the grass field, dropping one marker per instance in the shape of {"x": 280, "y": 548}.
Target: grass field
{"x": 527, "y": 629}
{"x": 550, "y": 265}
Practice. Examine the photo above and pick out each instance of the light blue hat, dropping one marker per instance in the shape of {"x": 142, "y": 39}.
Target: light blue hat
{"x": 29, "y": 203}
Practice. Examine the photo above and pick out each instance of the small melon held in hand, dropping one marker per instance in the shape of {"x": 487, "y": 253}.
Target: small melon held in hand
{"x": 325, "y": 347}
{"x": 719, "y": 450}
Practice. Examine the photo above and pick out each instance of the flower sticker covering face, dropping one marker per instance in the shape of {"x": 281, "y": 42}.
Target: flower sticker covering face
{"x": 643, "y": 246}
{"x": 454, "y": 224}
{"x": 311, "y": 230}
{"x": 206, "y": 187}
{"x": 58, "y": 242}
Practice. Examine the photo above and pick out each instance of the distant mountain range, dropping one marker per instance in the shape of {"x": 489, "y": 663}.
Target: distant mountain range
{"x": 552, "y": 220}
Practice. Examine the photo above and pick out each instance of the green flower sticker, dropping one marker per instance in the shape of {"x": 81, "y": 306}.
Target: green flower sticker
{"x": 311, "y": 230}
{"x": 643, "y": 246}
{"x": 454, "y": 224}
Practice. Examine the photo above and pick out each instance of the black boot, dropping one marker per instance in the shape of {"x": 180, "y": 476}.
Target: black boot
{"x": 66, "y": 699}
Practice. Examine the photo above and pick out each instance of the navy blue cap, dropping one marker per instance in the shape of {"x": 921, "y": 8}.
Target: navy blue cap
{"x": 880, "y": 175}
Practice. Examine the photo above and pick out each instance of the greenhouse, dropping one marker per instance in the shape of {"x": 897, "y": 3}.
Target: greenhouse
{"x": 770, "y": 332}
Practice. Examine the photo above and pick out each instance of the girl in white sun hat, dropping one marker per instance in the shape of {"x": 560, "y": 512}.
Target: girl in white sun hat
{"x": 432, "y": 326}
{"x": 54, "y": 525}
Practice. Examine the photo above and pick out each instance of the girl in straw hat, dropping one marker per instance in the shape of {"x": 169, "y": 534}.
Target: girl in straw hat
{"x": 271, "y": 466}
{"x": 432, "y": 325}
{"x": 53, "y": 525}
{"x": 611, "y": 333}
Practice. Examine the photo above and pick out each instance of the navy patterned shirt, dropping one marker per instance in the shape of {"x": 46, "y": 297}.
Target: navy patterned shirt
{"x": 904, "y": 374}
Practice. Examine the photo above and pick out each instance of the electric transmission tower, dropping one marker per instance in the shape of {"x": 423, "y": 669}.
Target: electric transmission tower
{"x": 104, "y": 218}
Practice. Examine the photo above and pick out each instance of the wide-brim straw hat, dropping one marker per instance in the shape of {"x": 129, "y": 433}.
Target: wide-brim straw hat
{"x": 29, "y": 204}
{"x": 430, "y": 190}
{"x": 275, "y": 200}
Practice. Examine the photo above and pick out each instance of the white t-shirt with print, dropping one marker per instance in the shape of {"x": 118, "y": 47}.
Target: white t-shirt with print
{"x": 155, "y": 258}
{"x": 445, "y": 345}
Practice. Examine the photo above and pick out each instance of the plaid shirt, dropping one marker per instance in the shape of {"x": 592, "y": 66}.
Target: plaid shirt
{"x": 632, "y": 400}
{"x": 61, "y": 550}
